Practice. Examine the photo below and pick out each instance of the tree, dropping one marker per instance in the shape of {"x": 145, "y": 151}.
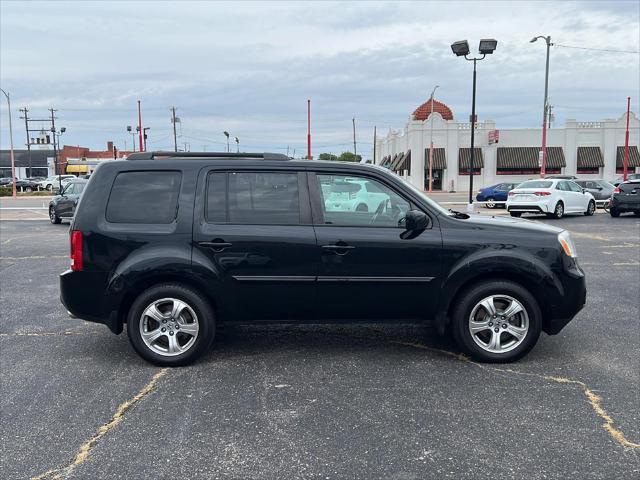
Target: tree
{"x": 349, "y": 157}
{"x": 327, "y": 156}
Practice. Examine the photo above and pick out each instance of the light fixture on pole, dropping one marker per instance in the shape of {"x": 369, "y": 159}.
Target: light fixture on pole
{"x": 543, "y": 149}
{"x": 133, "y": 137}
{"x": 237, "y": 145}
{"x": 226, "y": 134}
{"x": 431, "y": 142}
{"x": 144, "y": 137}
{"x": 13, "y": 160}
{"x": 461, "y": 49}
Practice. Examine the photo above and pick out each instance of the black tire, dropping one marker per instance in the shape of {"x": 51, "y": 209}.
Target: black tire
{"x": 28, "y": 189}
{"x": 558, "y": 212}
{"x": 55, "y": 219}
{"x": 362, "y": 208}
{"x": 202, "y": 309}
{"x": 515, "y": 214}
{"x": 50, "y": 187}
{"x": 590, "y": 209}
{"x": 614, "y": 212}
{"x": 490, "y": 203}
{"x": 468, "y": 299}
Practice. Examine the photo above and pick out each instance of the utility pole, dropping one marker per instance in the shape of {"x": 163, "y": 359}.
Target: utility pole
{"x": 374, "y": 145}
{"x": 140, "y": 126}
{"x": 543, "y": 149}
{"x": 355, "y": 150}
{"x": 26, "y": 126}
{"x": 308, "y": 129}
{"x": 13, "y": 161}
{"x": 173, "y": 120}
{"x": 55, "y": 151}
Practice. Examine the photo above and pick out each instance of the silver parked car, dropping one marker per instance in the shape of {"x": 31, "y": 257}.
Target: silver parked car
{"x": 600, "y": 189}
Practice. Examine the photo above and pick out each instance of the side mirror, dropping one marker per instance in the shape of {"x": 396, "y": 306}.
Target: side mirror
{"x": 584, "y": 190}
{"x": 415, "y": 222}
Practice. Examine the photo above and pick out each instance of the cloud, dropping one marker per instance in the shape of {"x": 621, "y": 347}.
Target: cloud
{"x": 249, "y": 67}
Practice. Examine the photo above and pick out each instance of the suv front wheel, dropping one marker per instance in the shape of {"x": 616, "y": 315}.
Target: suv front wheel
{"x": 170, "y": 325}
{"x": 498, "y": 321}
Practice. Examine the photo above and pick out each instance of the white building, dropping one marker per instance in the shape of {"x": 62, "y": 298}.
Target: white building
{"x": 585, "y": 149}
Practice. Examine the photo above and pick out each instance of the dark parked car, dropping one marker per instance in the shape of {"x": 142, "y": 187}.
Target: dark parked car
{"x": 626, "y": 198}
{"x": 600, "y": 189}
{"x": 63, "y": 206}
{"x": 173, "y": 245}
{"x": 495, "y": 193}
{"x": 24, "y": 185}
{"x": 630, "y": 176}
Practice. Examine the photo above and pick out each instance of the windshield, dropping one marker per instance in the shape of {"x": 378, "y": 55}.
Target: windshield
{"x": 536, "y": 184}
{"x": 424, "y": 196}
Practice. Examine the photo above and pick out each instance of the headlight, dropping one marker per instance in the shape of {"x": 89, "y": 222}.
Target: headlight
{"x": 568, "y": 246}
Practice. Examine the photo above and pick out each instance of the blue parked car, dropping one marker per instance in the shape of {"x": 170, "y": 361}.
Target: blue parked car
{"x": 495, "y": 193}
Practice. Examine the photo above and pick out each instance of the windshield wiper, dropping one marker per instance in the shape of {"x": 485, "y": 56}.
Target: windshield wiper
{"x": 460, "y": 215}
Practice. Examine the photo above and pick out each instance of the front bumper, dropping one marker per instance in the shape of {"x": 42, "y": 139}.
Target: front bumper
{"x": 559, "y": 312}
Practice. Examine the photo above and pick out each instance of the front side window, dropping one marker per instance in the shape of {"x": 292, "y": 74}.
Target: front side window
{"x": 144, "y": 197}
{"x": 359, "y": 201}
{"x": 253, "y": 198}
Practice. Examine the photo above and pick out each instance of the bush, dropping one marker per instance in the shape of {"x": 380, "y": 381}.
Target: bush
{"x": 7, "y": 192}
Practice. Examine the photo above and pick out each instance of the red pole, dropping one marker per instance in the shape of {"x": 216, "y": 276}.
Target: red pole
{"x": 626, "y": 143}
{"x": 140, "y": 126}
{"x": 308, "y": 129}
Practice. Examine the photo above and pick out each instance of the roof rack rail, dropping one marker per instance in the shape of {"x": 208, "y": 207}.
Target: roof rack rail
{"x": 205, "y": 155}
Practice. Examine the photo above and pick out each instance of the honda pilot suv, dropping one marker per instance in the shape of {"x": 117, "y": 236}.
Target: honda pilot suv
{"x": 175, "y": 245}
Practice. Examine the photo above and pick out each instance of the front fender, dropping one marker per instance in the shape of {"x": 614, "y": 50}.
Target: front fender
{"x": 518, "y": 265}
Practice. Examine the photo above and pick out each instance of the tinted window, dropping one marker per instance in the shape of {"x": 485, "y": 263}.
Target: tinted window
{"x": 376, "y": 205}
{"x": 144, "y": 197}
{"x": 263, "y": 198}
{"x": 216, "y": 210}
{"x": 536, "y": 184}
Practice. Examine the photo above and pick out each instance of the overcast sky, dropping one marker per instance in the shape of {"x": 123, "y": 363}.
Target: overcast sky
{"x": 249, "y": 67}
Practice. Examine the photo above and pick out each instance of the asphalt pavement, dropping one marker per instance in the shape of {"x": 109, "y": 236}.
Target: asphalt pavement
{"x": 362, "y": 401}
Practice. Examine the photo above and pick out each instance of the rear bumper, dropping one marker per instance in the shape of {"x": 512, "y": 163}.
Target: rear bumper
{"x": 76, "y": 294}
{"x": 538, "y": 207}
{"x": 624, "y": 205}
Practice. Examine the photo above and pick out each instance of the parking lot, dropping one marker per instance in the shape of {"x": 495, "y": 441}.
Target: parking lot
{"x": 319, "y": 401}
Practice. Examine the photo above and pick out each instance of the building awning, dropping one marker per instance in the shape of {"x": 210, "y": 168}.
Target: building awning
{"x": 407, "y": 162}
{"x": 527, "y": 157}
{"x": 464, "y": 158}
{"x": 439, "y": 159}
{"x": 590, "y": 157}
{"x": 634, "y": 157}
{"x": 77, "y": 168}
{"x": 397, "y": 162}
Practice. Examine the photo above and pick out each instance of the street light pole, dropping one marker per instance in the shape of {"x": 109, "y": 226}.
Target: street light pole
{"x": 226, "y": 134}
{"x": 431, "y": 142}
{"x": 237, "y": 145}
{"x": 13, "y": 160}
{"x": 543, "y": 149}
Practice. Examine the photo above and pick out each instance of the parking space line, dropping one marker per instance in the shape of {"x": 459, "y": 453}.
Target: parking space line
{"x": 45, "y": 334}
{"x": 35, "y": 257}
{"x": 118, "y": 416}
{"x": 595, "y": 401}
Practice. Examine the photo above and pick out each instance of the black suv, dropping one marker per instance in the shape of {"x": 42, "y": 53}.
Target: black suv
{"x": 173, "y": 245}
{"x": 625, "y": 198}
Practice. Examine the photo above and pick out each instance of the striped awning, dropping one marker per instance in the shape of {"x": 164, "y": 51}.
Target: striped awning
{"x": 464, "y": 158}
{"x": 590, "y": 157}
{"x": 407, "y": 162}
{"x": 527, "y": 157}
{"x": 397, "y": 162}
{"x": 634, "y": 157}
{"x": 439, "y": 159}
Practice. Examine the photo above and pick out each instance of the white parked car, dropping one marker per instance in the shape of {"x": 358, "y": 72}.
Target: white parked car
{"x": 353, "y": 196}
{"x": 553, "y": 197}
{"x": 52, "y": 183}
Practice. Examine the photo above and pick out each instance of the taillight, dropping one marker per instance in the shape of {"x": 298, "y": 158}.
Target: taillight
{"x": 76, "y": 250}
{"x": 511, "y": 194}
{"x": 616, "y": 190}
{"x": 542, "y": 194}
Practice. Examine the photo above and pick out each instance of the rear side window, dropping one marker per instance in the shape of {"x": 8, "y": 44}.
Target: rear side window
{"x": 253, "y": 198}
{"x": 144, "y": 197}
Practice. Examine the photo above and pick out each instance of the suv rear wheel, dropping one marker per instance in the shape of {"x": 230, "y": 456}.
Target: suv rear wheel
{"x": 170, "y": 325}
{"x": 498, "y": 321}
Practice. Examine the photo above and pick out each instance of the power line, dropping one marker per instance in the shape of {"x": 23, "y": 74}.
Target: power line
{"x": 596, "y": 49}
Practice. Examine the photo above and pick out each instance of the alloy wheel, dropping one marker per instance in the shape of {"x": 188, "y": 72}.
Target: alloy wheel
{"x": 490, "y": 203}
{"x": 498, "y": 323}
{"x": 559, "y": 212}
{"x": 169, "y": 327}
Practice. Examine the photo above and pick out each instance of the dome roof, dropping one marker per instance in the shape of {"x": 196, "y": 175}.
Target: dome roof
{"x": 424, "y": 110}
